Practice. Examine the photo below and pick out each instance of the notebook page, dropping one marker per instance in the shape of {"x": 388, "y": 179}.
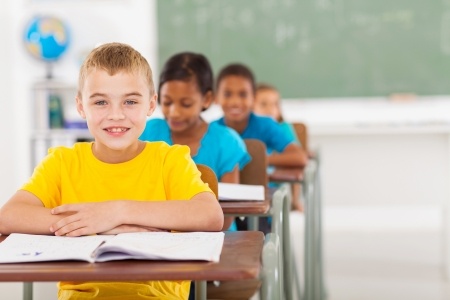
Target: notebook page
{"x": 19, "y": 247}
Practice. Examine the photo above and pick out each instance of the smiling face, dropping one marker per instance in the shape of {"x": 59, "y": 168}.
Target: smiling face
{"x": 115, "y": 108}
{"x": 267, "y": 103}
{"x": 181, "y": 104}
{"x": 235, "y": 96}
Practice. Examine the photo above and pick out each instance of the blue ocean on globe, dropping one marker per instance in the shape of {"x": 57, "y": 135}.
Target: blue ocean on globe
{"x": 47, "y": 38}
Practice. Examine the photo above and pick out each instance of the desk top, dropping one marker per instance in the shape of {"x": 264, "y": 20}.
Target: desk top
{"x": 247, "y": 208}
{"x": 240, "y": 259}
{"x": 287, "y": 175}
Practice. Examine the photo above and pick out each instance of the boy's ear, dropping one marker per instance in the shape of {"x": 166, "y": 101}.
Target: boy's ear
{"x": 208, "y": 100}
{"x": 152, "y": 107}
{"x": 80, "y": 107}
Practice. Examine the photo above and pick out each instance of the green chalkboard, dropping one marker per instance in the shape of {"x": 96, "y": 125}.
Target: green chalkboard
{"x": 318, "y": 48}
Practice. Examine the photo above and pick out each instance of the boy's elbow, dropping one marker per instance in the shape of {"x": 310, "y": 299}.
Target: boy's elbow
{"x": 215, "y": 218}
{"x": 216, "y": 221}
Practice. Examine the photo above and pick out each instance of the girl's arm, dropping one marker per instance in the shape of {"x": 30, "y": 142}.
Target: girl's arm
{"x": 230, "y": 177}
{"x": 292, "y": 156}
{"x": 25, "y": 213}
{"x": 201, "y": 213}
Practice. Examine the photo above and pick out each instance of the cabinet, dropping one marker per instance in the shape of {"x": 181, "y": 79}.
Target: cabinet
{"x": 55, "y": 119}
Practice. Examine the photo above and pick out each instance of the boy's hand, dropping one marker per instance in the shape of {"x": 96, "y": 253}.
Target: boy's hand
{"x": 87, "y": 218}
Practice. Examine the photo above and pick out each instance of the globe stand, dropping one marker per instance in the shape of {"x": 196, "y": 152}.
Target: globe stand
{"x": 49, "y": 70}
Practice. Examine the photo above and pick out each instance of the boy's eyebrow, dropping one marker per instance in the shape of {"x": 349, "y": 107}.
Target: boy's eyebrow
{"x": 134, "y": 94}
{"x": 97, "y": 95}
{"x": 105, "y": 95}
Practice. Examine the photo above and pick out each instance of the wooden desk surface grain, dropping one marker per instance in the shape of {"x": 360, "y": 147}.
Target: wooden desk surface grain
{"x": 240, "y": 259}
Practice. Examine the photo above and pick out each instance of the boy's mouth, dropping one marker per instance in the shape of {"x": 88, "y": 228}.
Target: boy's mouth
{"x": 116, "y": 129}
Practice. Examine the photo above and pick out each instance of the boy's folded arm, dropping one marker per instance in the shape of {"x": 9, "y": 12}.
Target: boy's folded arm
{"x": 25, "y": 213}
{"x": 292, "y": 156}
{"x": 201, "y": 213}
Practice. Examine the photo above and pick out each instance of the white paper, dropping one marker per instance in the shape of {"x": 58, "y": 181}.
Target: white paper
{"x": 144, "y": 245}
{"x": 241, "y": 192}
{"x": 28, "y": 247}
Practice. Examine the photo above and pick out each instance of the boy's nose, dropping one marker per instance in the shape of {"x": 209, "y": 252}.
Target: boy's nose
{"x": 116, "y": 113}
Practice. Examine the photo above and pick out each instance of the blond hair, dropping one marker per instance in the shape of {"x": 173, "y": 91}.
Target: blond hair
{"x": 268, "y": 87}
{"x": 114, "y": 58}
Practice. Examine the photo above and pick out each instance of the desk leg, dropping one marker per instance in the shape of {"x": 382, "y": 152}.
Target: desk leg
{"x": 309, "y": 261}
{"x": 321, "y": 289}
{"x": 253, "y": 223}
{"x": 200, "y": 290}
{"x": 27, "y": 291}
{"x": 446, "y": 242}
{"x": 287, "y": 250}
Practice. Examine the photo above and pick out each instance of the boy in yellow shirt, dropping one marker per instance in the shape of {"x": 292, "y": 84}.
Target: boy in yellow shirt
{"x": 116, "y": 183}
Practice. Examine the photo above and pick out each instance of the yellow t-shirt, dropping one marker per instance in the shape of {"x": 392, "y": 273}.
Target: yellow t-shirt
{"x": 73, "y": 175}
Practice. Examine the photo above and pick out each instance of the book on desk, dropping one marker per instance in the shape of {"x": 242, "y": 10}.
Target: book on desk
{"x": 241, "y": 192}
{"x": 205, "y": 246}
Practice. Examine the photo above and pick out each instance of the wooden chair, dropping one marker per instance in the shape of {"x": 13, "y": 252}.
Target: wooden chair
{"x": 208, "y": 176}
{"x": 302, "y": 134}
{"x": 255, "y": 172}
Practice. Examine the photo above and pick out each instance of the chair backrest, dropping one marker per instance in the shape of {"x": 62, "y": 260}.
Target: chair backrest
{"x": 302, "y": 134}
{"x": 208, "y": 176}
{"x": 255, "y": 172}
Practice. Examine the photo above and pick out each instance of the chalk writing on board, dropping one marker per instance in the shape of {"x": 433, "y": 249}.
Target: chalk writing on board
{"x": 445, "y": 33}
{"x": 284, "y": 33}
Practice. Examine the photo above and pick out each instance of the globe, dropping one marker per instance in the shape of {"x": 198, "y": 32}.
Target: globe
{"x": 46, "y": 38}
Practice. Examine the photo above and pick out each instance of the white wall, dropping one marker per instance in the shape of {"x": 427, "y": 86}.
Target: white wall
{"x": 7, "y": 109}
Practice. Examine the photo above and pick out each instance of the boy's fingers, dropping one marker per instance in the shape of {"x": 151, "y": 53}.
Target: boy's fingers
{"x": 68, "y": 221}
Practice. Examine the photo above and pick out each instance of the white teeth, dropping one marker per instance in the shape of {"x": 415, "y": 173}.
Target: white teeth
{"x": 116, "y": 129}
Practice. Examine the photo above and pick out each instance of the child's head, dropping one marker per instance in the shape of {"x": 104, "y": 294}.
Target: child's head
{"x": 115, "y": 96}
{"x": 114, "y": 58}
{"x": 267, "y": 102}
{"x": 235, "y": 92}
{"x": 185, "y": 89}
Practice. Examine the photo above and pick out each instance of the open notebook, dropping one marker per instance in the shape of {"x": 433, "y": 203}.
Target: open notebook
{"x": 241, "y": 192}
{"x": 99, "y": 248}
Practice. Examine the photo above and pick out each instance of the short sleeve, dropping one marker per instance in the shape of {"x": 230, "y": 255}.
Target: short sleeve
{"x": 45, "y": 182}
{"x": 181, "y": 177}
{"x": 234, "y": 151}
{"x": 290, "y": 131}
{"x": 277, "y": 139}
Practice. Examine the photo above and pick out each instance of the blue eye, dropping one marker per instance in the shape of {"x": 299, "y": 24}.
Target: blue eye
{"x": 130, "y": 102}
{"x": 100, "y": 102}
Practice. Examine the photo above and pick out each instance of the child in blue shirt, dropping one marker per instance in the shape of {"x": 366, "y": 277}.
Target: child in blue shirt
{"x": 267, "y": 103}
{"x": 185, "y": 90}
{"x": 236, "y": 95}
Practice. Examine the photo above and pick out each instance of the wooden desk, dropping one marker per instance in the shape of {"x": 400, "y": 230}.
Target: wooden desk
{"x": 287, "y": 175}
{"x": 247, "y": 208}
{"x": 250, "y": 209}
{"x": 240, "y": 259}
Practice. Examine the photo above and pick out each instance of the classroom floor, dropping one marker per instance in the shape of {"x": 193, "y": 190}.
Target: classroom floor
{"x": 398, "y": 256}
